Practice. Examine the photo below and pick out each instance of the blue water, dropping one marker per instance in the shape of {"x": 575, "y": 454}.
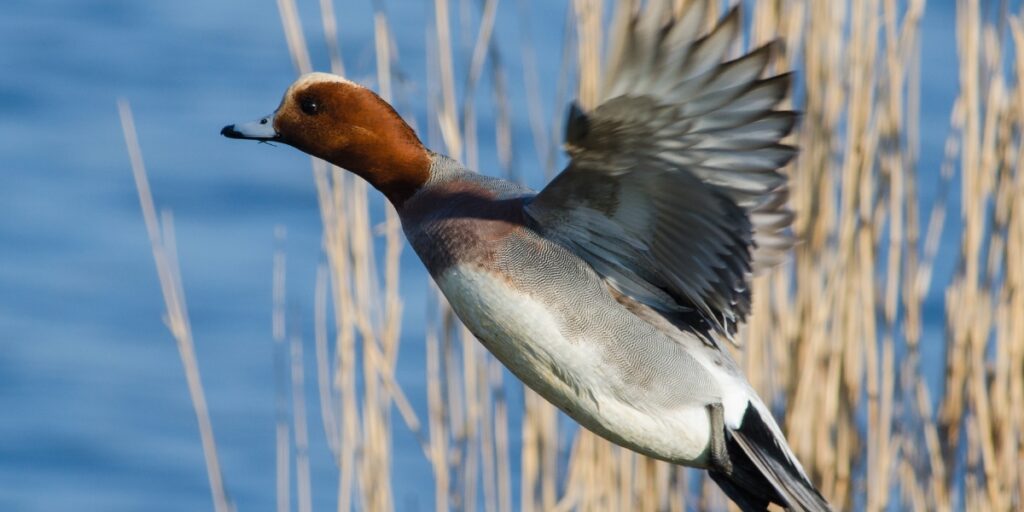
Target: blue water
{"x": 94, "y": 413}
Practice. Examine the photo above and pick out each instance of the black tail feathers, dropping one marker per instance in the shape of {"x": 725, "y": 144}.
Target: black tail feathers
{"x": 763, "y": 471}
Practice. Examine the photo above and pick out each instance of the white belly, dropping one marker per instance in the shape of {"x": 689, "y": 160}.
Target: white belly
{"x": 524, "y": 335}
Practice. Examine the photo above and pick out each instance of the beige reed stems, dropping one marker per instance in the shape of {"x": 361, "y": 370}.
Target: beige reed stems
{"x": 161, "y": 239}
{"x": 367, "y": 308}
{"x": 282, "y": 430}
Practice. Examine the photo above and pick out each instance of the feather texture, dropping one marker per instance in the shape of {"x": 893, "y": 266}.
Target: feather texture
{"x": 673, "y": 193}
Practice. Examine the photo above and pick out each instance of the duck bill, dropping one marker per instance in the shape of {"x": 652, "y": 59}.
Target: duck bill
{"x": 260, "y": 129}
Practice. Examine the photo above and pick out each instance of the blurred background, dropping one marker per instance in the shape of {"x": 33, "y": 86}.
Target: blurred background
{"x": 892, "y": 345}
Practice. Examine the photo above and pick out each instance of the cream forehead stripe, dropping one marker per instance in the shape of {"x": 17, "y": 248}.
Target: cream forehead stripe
{"x": 318, "y": 77}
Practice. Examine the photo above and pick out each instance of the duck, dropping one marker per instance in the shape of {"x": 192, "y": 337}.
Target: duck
{"x": 614, "y": 291}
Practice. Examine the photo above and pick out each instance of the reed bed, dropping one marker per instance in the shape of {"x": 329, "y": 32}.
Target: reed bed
{"x": 836, "y": 338}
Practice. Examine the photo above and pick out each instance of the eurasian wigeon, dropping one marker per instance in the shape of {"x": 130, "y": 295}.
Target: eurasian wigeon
{"x": 611, "y": 291}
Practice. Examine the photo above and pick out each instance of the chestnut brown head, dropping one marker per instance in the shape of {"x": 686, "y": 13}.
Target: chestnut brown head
{"x": 347, "y": 125}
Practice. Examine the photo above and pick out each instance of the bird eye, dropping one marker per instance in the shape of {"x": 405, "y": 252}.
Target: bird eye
{"x": 310, "y": 107}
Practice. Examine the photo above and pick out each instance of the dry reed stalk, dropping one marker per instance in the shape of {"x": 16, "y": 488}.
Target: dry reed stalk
{"x": 323, "y": 372}
{"x": 283, "y": 353}
{"x": 488, "y": 437}
{"x": 303, "y": 485}
{"x": 336, "y": 246}
{"x": 978, "y": 384}
{"x": 471, "y": 363}
{"x": 447, "y": 118}
{"x": 589, "y": 38}
{"x": 494, "y": 431}
{"x": 531, "y": 84}
{"x": 330, "y": 25}
{"x": 367, "y": 308}
{"x": 331, "y": 186}
{"x": 473, "y": 74}
{"x": 501, "y": 442}
{"x": 161, "y": 239}
{"x": 438, "y": 432}
{"x": 282, "y": 433}
{"x": 289, "y": 14}
{"x": 438, "y": 447}
{"x": 1012, "y": 301}
{"x": 469, "y": 426}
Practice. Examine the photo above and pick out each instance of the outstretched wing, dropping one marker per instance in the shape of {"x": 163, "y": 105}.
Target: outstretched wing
{"x": 673, "y": 192}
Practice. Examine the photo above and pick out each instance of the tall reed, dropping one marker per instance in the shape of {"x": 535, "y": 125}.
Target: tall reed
{"x": 165, "y": 254}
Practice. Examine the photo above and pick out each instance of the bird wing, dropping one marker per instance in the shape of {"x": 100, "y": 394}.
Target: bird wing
{"x": 673, "y": 192}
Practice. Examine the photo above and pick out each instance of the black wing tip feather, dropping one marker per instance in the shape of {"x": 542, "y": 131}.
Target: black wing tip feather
{"x": 784, "y": 81}
{"x": 758, "y": 459}
{"x": 747, "y": 500}
{"x": 577, "y": 125}
{"x": 774, "y": 47}
{"x": 731, "y": 21}
{"x": 788, "y": 153}
{"x": 765, "y": 51}
{"x": 792, "y": 118}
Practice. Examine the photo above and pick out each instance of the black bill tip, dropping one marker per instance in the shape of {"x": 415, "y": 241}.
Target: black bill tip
{"x": 230, "y": 132}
